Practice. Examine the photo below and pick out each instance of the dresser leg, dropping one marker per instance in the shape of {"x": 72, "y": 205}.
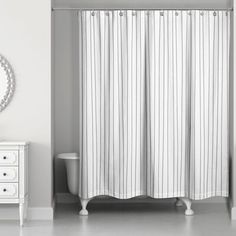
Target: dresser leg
{"x": 21, "y": 213}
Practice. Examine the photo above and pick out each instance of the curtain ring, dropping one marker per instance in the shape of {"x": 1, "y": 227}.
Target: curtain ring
{"x": 93, "y": 13}
{"x": 176, "y": 13}
{"x": 202, "y": 13}
{"x": 161, "y": 13}
{"x": 121, "y": 13}
{"x": 214, "y": 14}
{"x": 189, "y": 13}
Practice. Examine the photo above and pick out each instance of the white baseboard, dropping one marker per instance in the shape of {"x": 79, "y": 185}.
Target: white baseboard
{"x": 233, "y": 213}
{"x": 66, "y": 198}
{"x": 232, "y": 210}
{"x": 11, "y": 212}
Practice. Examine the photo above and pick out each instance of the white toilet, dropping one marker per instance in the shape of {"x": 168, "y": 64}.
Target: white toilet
{"x": 72, "y": 170}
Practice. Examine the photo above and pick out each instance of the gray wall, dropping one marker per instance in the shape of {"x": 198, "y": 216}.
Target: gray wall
{"x": 145, "y": 4}
{"x": 65, "y": 90}
{"x": 66, "y": 130}
{"x": 233, "y": 115}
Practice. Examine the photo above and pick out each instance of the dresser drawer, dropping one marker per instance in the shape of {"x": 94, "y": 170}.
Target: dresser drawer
{"x": 8, "y": 190}
{"x": 8, "y": 174}
{"x": 8, "y": 158}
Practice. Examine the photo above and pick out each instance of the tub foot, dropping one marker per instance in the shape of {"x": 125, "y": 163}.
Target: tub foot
{"x": 188, "y": 203}
{"x": 84, "y": 211}
{"x": 178, "y": 202}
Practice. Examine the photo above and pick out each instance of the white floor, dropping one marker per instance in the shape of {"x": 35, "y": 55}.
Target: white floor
{"x": 120, "y": 219}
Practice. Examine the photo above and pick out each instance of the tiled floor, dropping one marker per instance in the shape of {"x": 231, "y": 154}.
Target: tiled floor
{"x": 134, "y": 219}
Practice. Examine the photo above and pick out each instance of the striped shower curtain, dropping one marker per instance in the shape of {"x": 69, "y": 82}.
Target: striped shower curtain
{"x": 154, "y": 103}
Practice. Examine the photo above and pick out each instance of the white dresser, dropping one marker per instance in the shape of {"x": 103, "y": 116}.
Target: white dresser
{"x": 14, "y": 175}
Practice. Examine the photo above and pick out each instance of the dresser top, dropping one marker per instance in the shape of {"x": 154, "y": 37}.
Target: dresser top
{"x": 13, "y": 143}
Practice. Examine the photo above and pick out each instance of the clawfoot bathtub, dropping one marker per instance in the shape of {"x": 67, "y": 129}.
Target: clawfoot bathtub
{"x": 72, "y": 170}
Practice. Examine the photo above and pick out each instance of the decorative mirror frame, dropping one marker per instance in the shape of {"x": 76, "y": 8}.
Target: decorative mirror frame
{"x": 10, "y": 83}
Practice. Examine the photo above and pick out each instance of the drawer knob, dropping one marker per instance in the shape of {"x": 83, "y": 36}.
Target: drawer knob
{"x": 4, "y": 174}
{"x": 4, "y": 157}
{"x": 4, "y": 190}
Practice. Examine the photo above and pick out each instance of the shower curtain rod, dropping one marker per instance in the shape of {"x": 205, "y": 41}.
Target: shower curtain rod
{"x": 138, "y": 9}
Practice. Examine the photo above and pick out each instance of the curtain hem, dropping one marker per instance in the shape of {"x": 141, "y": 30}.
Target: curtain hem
{"x": 158, "y": 196}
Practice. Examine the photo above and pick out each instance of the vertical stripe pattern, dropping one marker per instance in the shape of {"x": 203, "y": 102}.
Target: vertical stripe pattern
{"x": 209, "y": 118}
{"x": 153, "y": 103}
{"x": 167, "y": 51}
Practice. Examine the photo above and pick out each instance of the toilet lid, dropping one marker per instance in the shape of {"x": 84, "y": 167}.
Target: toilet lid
{"x": 71, "y": 156}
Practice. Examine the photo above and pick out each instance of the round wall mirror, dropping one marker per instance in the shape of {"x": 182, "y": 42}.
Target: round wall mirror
{"x": 7, "y": 83}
